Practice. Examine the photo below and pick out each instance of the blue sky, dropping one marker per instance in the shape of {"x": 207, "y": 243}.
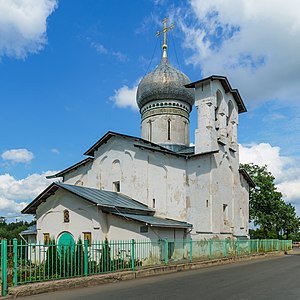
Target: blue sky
{"x": 69, "y": 71}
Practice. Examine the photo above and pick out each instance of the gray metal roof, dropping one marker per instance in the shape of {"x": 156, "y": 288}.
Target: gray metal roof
{"x": 116, "y": 203}
{"x": 187, "y": 151}
{"x": 155, "y": 221}
{"x": 30, "y": 230}
{"x": 106, "y": 199}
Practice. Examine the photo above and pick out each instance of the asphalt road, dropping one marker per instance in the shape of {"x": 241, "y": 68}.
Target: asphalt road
{"x": 272, "y": 278}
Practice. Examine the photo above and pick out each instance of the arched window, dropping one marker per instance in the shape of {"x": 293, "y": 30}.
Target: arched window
{"x": 169, "y": 129}
{"x": 66, "y": 216}
{"x": 219, "y": 99}
{"x": 232, "y": 125}
{"x": 230, "y": 110}
{"x": 79, "y": 182}
{"x": 150, "y": 130}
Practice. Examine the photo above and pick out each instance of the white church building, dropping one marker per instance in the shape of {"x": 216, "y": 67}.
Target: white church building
{"x": 156, "y": 186}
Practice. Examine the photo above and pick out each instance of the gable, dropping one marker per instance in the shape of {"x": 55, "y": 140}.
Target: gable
{"x": 134, "y": 140}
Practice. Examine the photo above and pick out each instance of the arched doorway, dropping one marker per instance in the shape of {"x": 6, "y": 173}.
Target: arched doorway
{"x": 66, "y": 239}
{"x": 66, "y": 250}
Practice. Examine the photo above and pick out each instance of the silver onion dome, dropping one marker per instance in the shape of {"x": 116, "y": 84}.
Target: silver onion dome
{"x": 164, "y": 83}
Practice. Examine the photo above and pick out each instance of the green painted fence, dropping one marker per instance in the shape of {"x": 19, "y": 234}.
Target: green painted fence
{"x": 23, "y": 263}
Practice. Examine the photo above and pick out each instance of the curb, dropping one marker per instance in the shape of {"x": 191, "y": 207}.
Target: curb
{"x": 93, "y": 280}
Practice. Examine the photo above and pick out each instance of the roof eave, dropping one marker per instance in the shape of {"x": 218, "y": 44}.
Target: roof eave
{"x": 71, "y": 168}
{"x": 111, "y": 134}
{"x": 247, "y": 178}
{"x": 32, "y": 206}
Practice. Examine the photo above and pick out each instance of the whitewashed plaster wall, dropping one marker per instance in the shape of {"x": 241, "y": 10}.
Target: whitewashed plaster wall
{"x": 87, "y": 217}
{"x": 84, "y": 217}
{"x": 144, "y": 175}
{"x": 155, "y": 129}
{"x": 217, "y": 131}
{"x": 119, "y": 228}
{"x": 193, "y": 190}
{"x": 199, "y": 192}
{"x": 217, "y": 117}
{"x": 78, "y": 176}
{"x": 242, "y": 209}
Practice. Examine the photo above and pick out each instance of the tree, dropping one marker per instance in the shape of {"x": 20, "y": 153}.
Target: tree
{"x": 12, "y": 230}
{"x": 267, "y": 209}
{"x": 290, "y": 221}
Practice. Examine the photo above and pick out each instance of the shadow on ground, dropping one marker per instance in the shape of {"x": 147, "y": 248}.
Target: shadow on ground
{"x": 296, "y": 251}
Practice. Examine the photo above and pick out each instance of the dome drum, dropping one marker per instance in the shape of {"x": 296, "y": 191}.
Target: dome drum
{"x": 168, "y": 111}
{"x": 166, "y": 104}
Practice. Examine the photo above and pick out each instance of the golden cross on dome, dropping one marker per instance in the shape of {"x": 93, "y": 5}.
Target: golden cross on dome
{"x": 164, "y": 31}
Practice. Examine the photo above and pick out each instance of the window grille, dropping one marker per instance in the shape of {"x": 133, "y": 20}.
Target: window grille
{"x": 66, "y": 216}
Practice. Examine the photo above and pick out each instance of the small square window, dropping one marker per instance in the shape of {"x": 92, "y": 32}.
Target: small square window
{"x": 225, "y": 213}
{"x": 46, "y": 238}
{"x": 87, "y": 236}
{"x": 144, "y": 229}
{"x": 116, "y": 186}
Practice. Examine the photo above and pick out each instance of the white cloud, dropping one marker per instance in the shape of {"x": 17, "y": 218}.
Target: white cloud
{"x": 265, "y": 154}
{"x": 126, "y": 97}
{"x": 284, "y": 169}
{"x": 290, "y": 189}
{"x": 23, "y": 25}
{"x": 255, "y": 43}
{"x": 54, "y": 150}
{"x": 18, "y": 155}
{"x": 120, "y": 56}
{"x": 16, "y": 194}
{"x": 99, "y": 48}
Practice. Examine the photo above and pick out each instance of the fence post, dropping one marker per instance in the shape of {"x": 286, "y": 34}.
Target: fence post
{"x": 285, "y": 245}
{"x": 238, "y": 247}
{"x": 191, "y": 250}
{"x": 210, "y": 248}
{"x": 225, "y": 248}
{"x": 272, "y": 245}
{"x": 4, "y": 266}
{"x": 132, "y": 255}
{"x": 166, "y": 252}
{"x": 15, "y": 253}
{"x": 249, "y": 247}
{"x": 86, "y": 258}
